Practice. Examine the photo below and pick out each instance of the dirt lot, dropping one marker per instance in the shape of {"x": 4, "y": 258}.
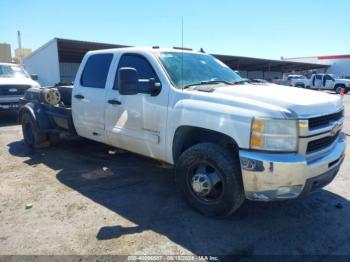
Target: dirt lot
{"x": 86, "y": 201}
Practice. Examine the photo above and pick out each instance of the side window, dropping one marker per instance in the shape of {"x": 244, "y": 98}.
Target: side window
{"x": 96, "y": 71}
{"x": 328, "y": 77}
{"x": 141, "y": 64}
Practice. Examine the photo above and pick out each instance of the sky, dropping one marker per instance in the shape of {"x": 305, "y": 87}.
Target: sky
{"x": 253, "y": 28}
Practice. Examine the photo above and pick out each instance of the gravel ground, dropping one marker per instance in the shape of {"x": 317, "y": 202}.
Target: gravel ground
{"x": 86, "y": 201}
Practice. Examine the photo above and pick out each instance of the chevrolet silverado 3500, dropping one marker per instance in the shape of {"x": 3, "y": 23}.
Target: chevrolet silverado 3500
{"x": 229, "y": 140}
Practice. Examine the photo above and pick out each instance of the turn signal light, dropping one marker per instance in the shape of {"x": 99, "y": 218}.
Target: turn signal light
{"x": 258, "y": 125}
{"x": 256, "y": 141}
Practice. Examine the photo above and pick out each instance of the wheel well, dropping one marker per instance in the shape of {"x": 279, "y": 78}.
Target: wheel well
{"x": 187, "y": 136}
{"x": 38, "y": 115}
{"x": 339, "y": 85}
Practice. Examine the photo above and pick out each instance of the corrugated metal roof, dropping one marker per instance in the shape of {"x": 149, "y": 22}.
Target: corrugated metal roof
{"x": 73, "y": 51}
{"x": 259, "y": 64}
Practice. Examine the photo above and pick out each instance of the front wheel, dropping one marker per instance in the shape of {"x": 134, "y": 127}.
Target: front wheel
{"x": 209, "y": 177}
{"x": 338, "y": 89}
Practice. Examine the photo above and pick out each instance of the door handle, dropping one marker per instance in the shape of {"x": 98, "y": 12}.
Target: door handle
{"x": 79, "y": 96}
{"x": 114, "y": 102}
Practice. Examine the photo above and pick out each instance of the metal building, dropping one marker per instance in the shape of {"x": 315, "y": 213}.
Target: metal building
{"x": 5, "y": 53}
{"x": 58, "y": 61}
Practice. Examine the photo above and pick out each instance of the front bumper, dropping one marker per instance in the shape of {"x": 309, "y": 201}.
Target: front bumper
{"x": 268, "y": 177}
{"x": 10, "y": 103}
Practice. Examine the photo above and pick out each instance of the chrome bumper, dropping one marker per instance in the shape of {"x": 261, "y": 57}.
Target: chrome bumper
{"x": 268, "y": 177}
{"x": 8, "y": 103}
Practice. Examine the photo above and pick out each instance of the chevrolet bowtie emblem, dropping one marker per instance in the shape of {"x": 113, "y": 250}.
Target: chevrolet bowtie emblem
{"x": 335, "y": 128}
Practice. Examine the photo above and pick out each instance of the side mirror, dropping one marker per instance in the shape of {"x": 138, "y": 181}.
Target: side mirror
{"x": 128, "y": 81}
{"x": 34, "y": 77}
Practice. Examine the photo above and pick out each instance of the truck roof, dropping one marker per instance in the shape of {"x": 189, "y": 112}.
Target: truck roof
{"x": 145, "y": 49}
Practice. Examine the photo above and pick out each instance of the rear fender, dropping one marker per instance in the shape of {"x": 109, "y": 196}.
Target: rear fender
{"x": 37, "y": 112}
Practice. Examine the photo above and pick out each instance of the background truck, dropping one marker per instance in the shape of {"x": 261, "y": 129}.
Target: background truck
{"x": 14, "y": 81}
{"x": 288, "y": 80}
{"x": 323, "y": 82}
{"x": 228, "y": 140}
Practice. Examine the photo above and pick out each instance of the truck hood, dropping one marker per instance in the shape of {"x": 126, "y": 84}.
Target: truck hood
{"x": 290, "y": 101}
{"x": 345, "y": 81}
{"x": 17, "y": 81}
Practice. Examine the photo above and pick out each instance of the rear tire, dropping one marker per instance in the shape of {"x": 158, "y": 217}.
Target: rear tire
{"x": 32, "y": 136}
{"x": 222, "y": 198}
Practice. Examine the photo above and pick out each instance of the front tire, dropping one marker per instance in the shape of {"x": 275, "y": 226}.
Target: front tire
{"x": 210, "y": 179}
{"x": 31, "y": 134}
{"x": 338, "y": 88}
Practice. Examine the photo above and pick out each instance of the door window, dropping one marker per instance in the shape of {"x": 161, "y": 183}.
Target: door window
{"x": 143, "y": 67}
{"x": 96, "y": 71}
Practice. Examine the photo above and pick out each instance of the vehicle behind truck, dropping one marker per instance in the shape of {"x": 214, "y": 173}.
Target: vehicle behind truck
{"x": 288, "y": 80}
{"x": 228, "y": 140}
{"x": 14, "y": 81}
{"x": 324, "y": 82}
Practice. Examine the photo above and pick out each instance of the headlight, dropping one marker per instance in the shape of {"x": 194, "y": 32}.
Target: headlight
{"x": 274, "y": 135}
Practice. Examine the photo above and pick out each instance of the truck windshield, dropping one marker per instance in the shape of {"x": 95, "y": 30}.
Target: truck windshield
{"x": 12, "y": 71}
{"x": 187, "y": 69}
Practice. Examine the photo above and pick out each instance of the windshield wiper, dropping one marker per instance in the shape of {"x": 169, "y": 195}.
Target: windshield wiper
{"x": 208, "y": 83}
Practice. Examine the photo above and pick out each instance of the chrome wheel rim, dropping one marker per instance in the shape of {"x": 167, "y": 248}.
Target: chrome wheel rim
{"x": 205, "y": 182}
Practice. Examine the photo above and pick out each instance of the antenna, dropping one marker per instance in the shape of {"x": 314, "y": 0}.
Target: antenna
{"x": 182, "y": 52}
{"x": 182, "y": 31}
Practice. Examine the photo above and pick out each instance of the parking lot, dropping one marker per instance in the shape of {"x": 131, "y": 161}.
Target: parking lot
{"x": 88, "y": 201}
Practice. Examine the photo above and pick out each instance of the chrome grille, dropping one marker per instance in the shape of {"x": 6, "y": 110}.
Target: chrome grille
{"x": 321, "y": 143}
{"x": 13, "y": 89}
{"x": 321, "y": 121}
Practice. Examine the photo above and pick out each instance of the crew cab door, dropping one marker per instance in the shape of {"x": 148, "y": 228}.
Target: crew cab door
{"x": 137, "y": 122}
{"x": 318, "y": 81}
{"x": 328, "y": 82}
{"x": 88, "y": 99}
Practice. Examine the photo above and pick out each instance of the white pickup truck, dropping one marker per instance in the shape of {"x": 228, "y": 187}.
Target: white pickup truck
{"x": 228, "y": 140}
{"x": 14, "y": 81}
{"x": 323, "y": 82}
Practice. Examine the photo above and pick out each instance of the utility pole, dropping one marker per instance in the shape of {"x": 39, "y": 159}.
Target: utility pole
{"x": 20, "y": 48}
